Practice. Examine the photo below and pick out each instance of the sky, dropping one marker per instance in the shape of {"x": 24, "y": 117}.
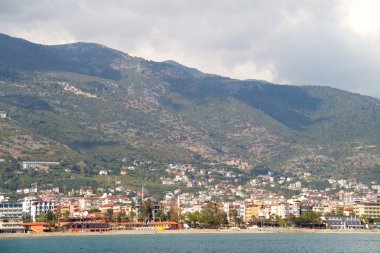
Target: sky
{"x": 318, "y": 42}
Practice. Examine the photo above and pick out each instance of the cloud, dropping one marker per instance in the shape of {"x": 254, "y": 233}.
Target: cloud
{"x": 332, "y": 43}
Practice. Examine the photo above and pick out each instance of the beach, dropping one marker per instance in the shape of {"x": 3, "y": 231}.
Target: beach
{"x": 192, "y": 231}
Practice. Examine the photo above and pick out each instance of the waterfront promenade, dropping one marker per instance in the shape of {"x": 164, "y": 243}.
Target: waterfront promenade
{"x": 193, "y": 231}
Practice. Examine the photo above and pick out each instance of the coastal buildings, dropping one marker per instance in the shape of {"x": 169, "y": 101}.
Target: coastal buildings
{"x": 11, "y": 211}
{"x": 84, "y": 224}
{"x": 10, "y": 217}
{"x": 40, "y": 207}
{"x": 367, "y": 209}
{"x": 258, "y": 200}
{"x": 344, "y": 222}
{"x": 11, "y": 226}
{"x": 234, "y": 210}
{"x": 32, "y": 207}
{"x": 36, "y": 227}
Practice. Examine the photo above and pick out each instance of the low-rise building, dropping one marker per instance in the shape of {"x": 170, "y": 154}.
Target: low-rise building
{"x": 36, "y": 227}
{"x": 38, "y": 165}
{"x": 103, "y": 172}
{"x": 344, "y": 222}
{"x": 84, "y": 224}
{"x": 11, "y": 226}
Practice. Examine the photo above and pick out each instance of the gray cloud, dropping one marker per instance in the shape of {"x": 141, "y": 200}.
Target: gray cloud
{"x": 332, "y": 43}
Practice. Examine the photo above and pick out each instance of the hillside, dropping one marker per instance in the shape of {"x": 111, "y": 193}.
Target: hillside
{"x": 85, "y": 103}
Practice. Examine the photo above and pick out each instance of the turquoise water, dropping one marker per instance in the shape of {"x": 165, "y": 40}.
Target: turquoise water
{"x": 199, "y": 243}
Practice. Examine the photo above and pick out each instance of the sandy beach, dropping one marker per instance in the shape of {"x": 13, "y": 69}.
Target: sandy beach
{"x": 189, "y": 231}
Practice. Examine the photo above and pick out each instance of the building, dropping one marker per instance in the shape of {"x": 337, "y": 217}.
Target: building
{"x": 295, "y": 209}
{"x": 38, "y": 165}
{"x": 26, "y": 207}
{"x": 367, "y": 209}
{"x": 281, "y": 210}
{"x": 252, "y": 212}
{"x": 85, "y": 224}
{"x": 11, "y": 211}
{"x": 40, "y": 207}
{"x": 103, "y": 172}
{"x": 154, "y": 225}
{"x": 344, "y": 222}
{"x": 231, "y": 208}
{"x": 11, "y": 227}
{"x": 36, "y": 227}
{"x": 87, "y": 203}
{"x": 32, "y": 207}
{"x": 3, "y": 115}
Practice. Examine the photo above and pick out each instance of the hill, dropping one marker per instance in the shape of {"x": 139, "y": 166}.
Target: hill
{"x": 88, "y": 104}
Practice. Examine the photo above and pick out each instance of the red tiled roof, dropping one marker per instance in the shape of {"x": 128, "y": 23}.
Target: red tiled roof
{"x": 34, "y": 224}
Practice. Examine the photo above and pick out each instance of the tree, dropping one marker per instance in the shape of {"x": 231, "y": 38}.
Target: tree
{"x": 66, "y": 215}
{"x": 291, "y": 219}
{"x": 146, "y": 211}
{"x": 48, "y": 217}
{"x": 121, "y": 216}
{"x": 193, "y": 218}
{"x": 254, "y": 219}
{"x": 282, "y": 222}
{"x": 308, "y": 217}
{"x": 108, "y": 215}
{"x": 237, "y": 219}
{"x": 132, "y": 214}
{"x": 94, "y": 210}
{"x": 212, "y": 216}
{"x": 173, "y": 212}
{"x": 161, "y": 215}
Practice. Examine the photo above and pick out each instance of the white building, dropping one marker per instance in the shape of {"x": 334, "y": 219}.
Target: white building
{"x": 229, "y": 207}
{"x": 103, "y": 172}
{"x": 281, "y": 210}
{"x": 40, "y": 207}
{"x": 38, "y": 165}
{"x": 31, "y": 208}
{"x": 27, "y": 206}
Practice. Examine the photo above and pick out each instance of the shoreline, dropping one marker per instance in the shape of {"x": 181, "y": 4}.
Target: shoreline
{"x": 189, "y": 232}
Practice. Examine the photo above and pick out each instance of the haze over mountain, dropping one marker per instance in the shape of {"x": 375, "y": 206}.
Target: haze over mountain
{"x": 84, "y": 102}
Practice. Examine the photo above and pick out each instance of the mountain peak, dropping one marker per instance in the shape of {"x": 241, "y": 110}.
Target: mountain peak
{"x": 82, "y": 58}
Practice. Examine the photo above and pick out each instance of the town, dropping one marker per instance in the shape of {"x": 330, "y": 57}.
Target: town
{"x": 202, "y": 198}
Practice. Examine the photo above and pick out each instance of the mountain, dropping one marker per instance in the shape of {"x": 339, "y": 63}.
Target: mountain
{"x": 94, "y": 105}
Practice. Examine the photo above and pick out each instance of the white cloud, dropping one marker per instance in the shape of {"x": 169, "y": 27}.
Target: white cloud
{"x": 323, "y": 42}
{"x": 362, "y": 17}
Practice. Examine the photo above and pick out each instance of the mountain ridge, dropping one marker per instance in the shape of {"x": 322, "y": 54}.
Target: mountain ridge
{"x": 105, "y": 105}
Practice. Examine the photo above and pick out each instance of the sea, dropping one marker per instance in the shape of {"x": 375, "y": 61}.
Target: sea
{"x": 197, "y": 243}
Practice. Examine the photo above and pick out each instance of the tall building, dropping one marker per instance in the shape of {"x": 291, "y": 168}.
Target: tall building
{"x": 41, "y": 207}
{"x": 367, "y": 209}
{"x": 32, "y": 207}
{"x": 10, "y": 218}
{"x": 11, "y": 211}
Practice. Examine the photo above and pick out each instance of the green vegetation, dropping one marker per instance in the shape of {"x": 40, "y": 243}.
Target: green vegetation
{"x": 168, "y": 113}
{"x": 306, "y": 218}
{"x": 210, "y": 217}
